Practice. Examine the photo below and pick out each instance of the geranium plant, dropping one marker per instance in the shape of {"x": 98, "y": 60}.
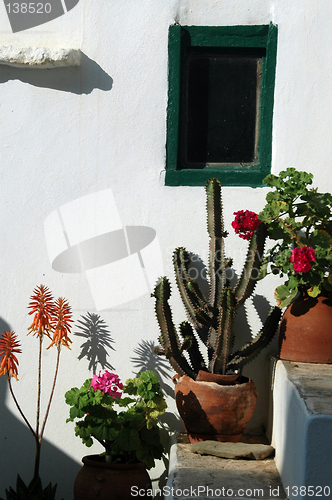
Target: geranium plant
{"x": 126, "y": 426}
{"x": 299, "y": 219}
{"x": 51, "y": 319}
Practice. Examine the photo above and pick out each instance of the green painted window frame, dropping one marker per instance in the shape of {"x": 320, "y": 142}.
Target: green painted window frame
{"x": 256, "y": 36}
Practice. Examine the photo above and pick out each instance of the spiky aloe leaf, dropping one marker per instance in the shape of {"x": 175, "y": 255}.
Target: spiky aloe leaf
{"x": 251, "y": 269}
{"x": 169, "y": 337}
{"x": 250, "y": 350}
{"x": 34, "y": 491}
{"x": 224, "y": 335}
{"x": 215, "y": 225}
{"x": 193, "y": 350}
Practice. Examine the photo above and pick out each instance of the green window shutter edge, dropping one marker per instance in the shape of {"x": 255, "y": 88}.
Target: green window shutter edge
{"x": 174, "y": 84}
{"x": 267, "y": 100}
{"x": 244, "y": 36}
{"x": 193, "y": 177}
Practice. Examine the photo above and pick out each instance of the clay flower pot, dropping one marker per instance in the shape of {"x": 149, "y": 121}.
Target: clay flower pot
{"x": 105, "y": 481}
{"x": 305, "y": 330}
{"x": 212, "y": 409}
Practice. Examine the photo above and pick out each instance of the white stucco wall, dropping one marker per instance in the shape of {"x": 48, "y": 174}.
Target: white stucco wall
{"x": 68, "y": 133}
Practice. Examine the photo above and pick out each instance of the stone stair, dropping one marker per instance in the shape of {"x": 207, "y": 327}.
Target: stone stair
{"x": 209, "y": 477}
{"x": 301, "y": 436}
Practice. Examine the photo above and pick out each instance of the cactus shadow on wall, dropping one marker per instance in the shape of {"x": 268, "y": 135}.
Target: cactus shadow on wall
{"x": 146, "y": 359}
{"x": 198, "y": 271}
{"x": 98, "y": 340}
{"x": 81, "y": 79}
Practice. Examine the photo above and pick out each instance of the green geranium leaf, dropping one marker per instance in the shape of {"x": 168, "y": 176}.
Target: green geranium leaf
{"x": 71, "y": 396}
{"x": 314, "y": 291}
{"x": 282, "y": 292}
{"x": 285, "y": 295}
{"x": 128, "y": 439}
{"x": 320, "y": 239}
{"x": 76, "y": 413}
{"x": 293, "y": 282}
{"x": 288, "y": 300}
{"x": 126, "y": 401}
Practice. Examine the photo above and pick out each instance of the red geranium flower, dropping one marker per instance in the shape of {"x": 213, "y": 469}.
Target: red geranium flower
{"x": 9, "y": 362}
{"x": 301, "y": 259}
{"x": 245, "y": 223}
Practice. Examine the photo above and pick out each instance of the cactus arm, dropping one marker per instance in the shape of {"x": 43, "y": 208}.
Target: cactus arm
{"x": 249, "y": 351}
{"x": 189, "y": 290}
{"x": 193, "y": 350}
{"x": 254, "y": 259}
{"x": 224, "y": 337}
{"x": 169, "y": 338}
{"x": 215, "y": 226}
{"x": 198, "y": 310}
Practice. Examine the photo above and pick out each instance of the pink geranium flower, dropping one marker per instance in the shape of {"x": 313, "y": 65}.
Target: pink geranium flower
{"x": 301, "y": 259}
{"x": 109, "y": 383}
{"x": 245, "y": 223}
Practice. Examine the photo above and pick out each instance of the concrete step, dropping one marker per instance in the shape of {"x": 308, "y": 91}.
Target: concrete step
{"x": 209, "y": 477}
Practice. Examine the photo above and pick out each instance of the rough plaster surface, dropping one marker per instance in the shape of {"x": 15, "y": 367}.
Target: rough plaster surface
{"x": 39, "y": 57}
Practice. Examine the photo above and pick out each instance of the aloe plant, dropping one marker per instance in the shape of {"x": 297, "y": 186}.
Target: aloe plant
{"x": 211, "y": 320}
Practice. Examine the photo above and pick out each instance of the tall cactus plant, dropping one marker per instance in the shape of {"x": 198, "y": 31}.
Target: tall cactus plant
{"x": 212, "y": 318}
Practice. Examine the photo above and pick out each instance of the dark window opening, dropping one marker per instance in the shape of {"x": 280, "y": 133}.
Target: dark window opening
{"x": 221, "y": 105}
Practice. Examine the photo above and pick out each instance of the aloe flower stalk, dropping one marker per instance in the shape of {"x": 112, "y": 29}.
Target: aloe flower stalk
{"x": 9, "y": 346}
{"x": 52, "y": 319}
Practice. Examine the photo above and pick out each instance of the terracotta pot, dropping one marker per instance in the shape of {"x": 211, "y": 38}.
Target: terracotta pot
{"x": 305, "y": 330}
{"x": 210, "y": 410}
{"x": 103, "y": 481}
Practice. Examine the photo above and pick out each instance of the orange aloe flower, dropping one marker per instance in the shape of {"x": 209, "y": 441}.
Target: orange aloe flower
{"x": 9, "y": 362}
{"x": 60, "y": 323}
{"x": 42, "y": 307}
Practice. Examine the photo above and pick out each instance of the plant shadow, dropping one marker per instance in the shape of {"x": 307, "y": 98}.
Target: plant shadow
{"x": 81, "y": 79}
{"x": 146, "y": 359}
{"x": 98, "y": 339}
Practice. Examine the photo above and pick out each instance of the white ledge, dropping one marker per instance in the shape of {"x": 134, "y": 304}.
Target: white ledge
{"x": 302, "y": 426}
{"x": 39, "y": 57}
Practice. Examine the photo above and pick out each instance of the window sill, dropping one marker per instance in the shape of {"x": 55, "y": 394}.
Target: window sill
{"x": 39, "y": 57}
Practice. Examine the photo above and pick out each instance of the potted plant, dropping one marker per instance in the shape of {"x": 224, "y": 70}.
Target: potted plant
{"x": 299, "y": 219}
{"x": 213, "y": 399}
{"x": 51, "y": 319}
{"x": 126, "y": 427}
